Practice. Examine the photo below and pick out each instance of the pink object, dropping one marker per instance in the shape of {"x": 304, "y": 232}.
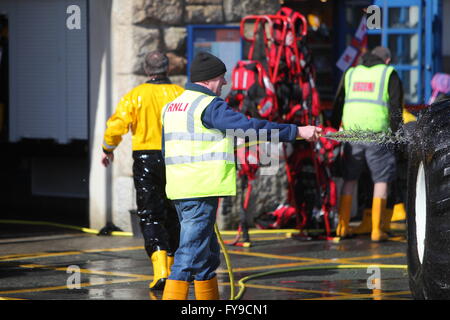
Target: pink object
{"x": 440, "y": 84}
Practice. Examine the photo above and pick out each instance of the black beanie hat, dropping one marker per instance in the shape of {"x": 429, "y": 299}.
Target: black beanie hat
{"x": 206, "y": 67}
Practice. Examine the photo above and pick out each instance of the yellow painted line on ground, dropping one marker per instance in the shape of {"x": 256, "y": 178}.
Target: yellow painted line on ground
{"x": 7, "y": 298}
{"x": 357, "y": 260}
{"x": 129, "y": 277}
{"x": 331, "y": 295}
{"x": 38, "y": 255}
{"x": 289, "y": 265}
{"x": 398, "y": 239}
{"x": 314, "y": 260}
{"x": 268, "y": 267}
{"x": 98, "y": 282}
{"x": 64, "y": 253}
{"x": 9, "y": 256}
{"x": 271, "y": 256}
{"x": 367, "y": 295}
{"x": 114, "y": 249}
{"x": 378, "y": 256}
{"x": 277, "y": 288}
{"x": 396, "y": 298}
{"x": 87, "y": 271}
{"x": 266, "y": 238}
{"x": 259, "y": 231}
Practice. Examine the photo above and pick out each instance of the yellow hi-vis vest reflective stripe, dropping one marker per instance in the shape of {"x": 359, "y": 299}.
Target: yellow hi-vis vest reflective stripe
{"x": 366, "y": 98}
{"x": 199, "y": 161}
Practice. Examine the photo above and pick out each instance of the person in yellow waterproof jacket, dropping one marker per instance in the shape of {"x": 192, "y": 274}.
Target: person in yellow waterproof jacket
{"x": 140, "y": 111}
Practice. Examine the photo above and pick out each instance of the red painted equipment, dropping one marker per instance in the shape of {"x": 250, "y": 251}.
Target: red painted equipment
{"x": 252, "y": 92}
{"x": 277, "y": 82}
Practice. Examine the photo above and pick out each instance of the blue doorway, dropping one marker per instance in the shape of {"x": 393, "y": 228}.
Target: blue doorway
{"x": 412, "y": 30}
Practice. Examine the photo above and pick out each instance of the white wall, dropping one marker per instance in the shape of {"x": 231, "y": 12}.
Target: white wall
{"x": 100, "y": 194}
{"x": 112, "y": 192}
{"x": 123, "y": 191}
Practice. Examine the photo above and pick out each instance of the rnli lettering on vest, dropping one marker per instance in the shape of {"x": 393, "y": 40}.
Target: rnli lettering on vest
{"x": 364, "y": 86}
{"x": 180, "y": 106}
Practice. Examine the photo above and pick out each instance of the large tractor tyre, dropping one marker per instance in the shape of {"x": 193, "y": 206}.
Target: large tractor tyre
{"x": 428, "y": 204}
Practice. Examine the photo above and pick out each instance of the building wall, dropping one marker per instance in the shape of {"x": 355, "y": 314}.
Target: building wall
{"x": 100, "y": 99}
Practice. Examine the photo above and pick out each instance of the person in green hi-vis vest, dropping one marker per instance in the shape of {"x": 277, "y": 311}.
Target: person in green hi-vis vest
{"x": 369, "y": 98}
{"x": 200, "y": 167}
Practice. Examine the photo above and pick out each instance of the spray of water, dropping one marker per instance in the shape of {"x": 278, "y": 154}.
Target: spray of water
{"x": 364, "y": 136}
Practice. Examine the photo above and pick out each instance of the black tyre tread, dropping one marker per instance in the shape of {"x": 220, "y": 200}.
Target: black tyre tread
{"x": 440, "y": 197}
{"x": 432, "y": 279}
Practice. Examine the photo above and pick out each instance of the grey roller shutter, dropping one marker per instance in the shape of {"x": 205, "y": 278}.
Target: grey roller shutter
{"x": 48, "y": 70}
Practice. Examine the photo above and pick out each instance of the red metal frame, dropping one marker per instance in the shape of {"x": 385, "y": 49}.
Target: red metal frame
{"x": 284, "y": 40}
{"x": 270, "y": 41}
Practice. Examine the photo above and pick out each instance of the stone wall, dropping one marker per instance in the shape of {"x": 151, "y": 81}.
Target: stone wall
{"x": 162, "y": 25}
{"x": 140, "y": 26}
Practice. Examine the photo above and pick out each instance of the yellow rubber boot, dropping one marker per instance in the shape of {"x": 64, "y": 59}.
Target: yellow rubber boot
{"x": 160, "y": 270}
{"x": 386, "y": 219}
{"x": 207, "y": 289}
{"x": 170, "y": 260}
{"x": 345, "y": 207}
{"x": 399, "y": 212}
{"x": 378, "y": 208}
{"x": 366, "y": 223}
{"x": 175, "y": 290}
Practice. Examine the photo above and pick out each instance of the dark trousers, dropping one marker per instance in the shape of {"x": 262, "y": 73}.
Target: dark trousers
{"x": 157, "y": 215}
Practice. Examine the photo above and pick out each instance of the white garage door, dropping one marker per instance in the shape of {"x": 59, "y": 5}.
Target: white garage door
{"x": 48, "y": 69}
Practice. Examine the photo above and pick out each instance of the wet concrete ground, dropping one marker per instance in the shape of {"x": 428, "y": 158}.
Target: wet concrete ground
{"x": 278, "y": 267}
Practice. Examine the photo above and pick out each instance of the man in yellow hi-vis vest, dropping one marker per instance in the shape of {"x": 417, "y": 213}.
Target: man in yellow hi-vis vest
{"x": 370, "y": 98}
{"x": 140, "y": 111}
{"x": 200, "y": 168}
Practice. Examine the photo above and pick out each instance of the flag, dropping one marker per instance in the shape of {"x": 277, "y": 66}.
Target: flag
{"x": 356, "y": 48}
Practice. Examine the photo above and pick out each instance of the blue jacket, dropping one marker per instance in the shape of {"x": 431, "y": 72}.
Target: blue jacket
{"x": 219, "y": 115}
